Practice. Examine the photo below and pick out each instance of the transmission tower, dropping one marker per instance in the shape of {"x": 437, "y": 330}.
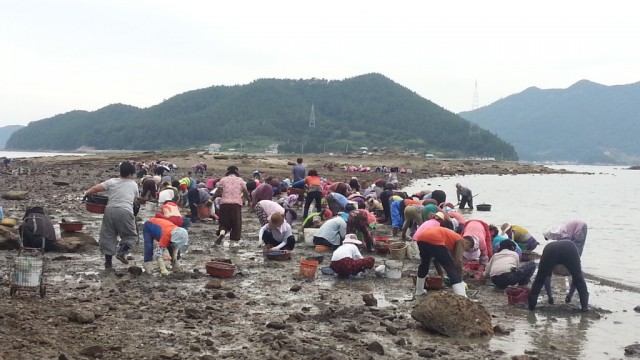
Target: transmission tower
{"x": 312, "y": 118}
{"x": 474, "y": 105}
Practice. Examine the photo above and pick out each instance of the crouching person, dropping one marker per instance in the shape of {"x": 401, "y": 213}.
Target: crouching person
{"x": 37, "y": 230}
{"x": 504, "y": 267}
{"x": 347, "y": 260}
{"x": 170, "y": 237}
{"x": 277, "y": 234}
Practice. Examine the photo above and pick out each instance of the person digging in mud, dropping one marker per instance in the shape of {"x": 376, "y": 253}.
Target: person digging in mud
{"x": 118, "y": 218}
{"x": 347, "y": 259}
{"x": 170, "y": 211}
{"x": 505, "y": 269}
{"x": 562, "y": 252}
{"x": 277, "y": 234}
{"x": 447, "y": 248}
{"x": 574, "y": 230}
{"x": 170, "y": 237}
{"x": 231, "y": 190}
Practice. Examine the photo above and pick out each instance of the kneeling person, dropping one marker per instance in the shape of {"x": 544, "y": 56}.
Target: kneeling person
{"x": 347, "y": 260}
{"x": 504, "y": 267}
{"x": 277, "y": 234}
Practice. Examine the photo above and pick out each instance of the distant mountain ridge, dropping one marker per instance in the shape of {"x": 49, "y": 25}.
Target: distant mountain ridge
{"x": 586, "y": 122}
{"x": 6, "y": 132}
{"x": 367, "y": 110}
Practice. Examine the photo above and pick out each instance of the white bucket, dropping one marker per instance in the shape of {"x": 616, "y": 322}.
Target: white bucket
{"x": 309, "y": 233}
{"x": 393, "y": 269}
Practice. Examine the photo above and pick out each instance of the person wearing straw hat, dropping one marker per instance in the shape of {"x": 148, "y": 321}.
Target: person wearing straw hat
{"x": 277, "y": 234}
{"x": 447, "y": 248}
{"x": 347, "y": 260}
{"x": 520, "y": 235}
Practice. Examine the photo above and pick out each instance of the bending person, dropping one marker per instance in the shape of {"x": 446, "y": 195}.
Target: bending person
{"x": 504, "y": 267}
{"x": 576, "y": 232}
{"x": 563, "y": 252}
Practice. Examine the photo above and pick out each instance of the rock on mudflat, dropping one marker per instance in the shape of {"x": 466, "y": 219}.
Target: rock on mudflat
{"x": 453, "y": 315}
{"x": 632, "y": 350}
{"x": 80, "y": 317}
{"x": 15, "y": 195}
{"x": 376, "y": 347}
{"x": 637, "y": 308}
{"x": 369, "y": 300}
{"x": 94, "y": 351}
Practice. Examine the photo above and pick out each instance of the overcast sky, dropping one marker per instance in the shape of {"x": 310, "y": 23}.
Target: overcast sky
{"x": 62, "y": 55}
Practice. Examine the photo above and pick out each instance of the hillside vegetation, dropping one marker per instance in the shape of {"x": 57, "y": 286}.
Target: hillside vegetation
{"x": 586, "y": 123}
{"x": 368, "y": 110}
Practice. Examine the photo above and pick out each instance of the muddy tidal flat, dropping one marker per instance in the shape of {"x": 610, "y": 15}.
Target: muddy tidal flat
{"x": 267, "y": 310}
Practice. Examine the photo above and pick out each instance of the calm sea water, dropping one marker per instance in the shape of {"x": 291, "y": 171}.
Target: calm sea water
{"x": 28, "y": 154}
{"x": 608, "y": 201}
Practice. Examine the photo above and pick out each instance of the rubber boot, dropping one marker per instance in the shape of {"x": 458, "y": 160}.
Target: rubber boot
{"x": 148, "y": 267}
{"x": 108, "y": 264}
{"x": 221, "y": 235}
{"x": 122, "y": 254}
{"x": 584, "y": 302}
{"x": 175, "y": 263}
{"x": 458, "y": 289}
{"x": 533, "y": 301}
{"x": 162, "y": 266}
{"x": 420, "y": 286}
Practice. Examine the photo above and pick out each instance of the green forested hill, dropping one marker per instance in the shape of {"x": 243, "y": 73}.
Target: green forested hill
{"x": 368, "y": 110}
{"x": 586, "y": 123}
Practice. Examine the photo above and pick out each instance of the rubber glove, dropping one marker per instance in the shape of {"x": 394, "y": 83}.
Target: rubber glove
{"x": 260, "y": 242}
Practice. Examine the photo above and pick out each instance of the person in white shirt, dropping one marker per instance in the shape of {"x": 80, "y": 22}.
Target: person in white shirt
{"x": 277, "y": 234}
{"x": 504, "y": 267}
{"x": 347, "y": 260}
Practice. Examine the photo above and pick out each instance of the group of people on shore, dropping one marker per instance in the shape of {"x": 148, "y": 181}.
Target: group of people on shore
{"x": 345, "y": 215}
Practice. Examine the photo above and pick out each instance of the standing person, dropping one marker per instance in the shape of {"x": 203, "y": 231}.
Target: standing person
{"x": 464, "y": 196}
{"x": 347, "y": 259}
{"x": 277, "y": 234}
{"x": 231, "y": 189}
{"x": 576, "y": 232}
{"x": 299, "y": 171}
{"x": 118, "y": 218}
{"x": 314, "y": 192}
{"x": 504, "y": 267}
{"x": 447, "y": 248}
{"x": 562, "y": 252}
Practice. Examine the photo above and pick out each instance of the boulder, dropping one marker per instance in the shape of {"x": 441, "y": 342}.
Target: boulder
{"x": 9, "y": 238}
{"x": 74, "y": 244}
{"x": 632, "y": 350}
{"x": 453, "y": 315}
{"x": 15, "y": 195}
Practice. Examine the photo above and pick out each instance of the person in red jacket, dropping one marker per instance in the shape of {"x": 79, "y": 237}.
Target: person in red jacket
{"x": 447, "y": 248}
{"x": 169, "y": 236}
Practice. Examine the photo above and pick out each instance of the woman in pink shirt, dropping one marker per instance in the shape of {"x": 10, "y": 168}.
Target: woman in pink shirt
{"x": 231, "y": 189}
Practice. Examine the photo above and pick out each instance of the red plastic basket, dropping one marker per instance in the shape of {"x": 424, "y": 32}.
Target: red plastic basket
{"x": 517, "y": 295}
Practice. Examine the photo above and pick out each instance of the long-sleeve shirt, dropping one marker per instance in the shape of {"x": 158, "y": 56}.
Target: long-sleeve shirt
{"x": 574, "y": 230}
{"x": 359, "y": 220}
{"x": 451, "y": 240}
{"x": 333, "y": 230}
{"x": 346, "y": 251}
{"x": 463, "y": 192}
{"x": 502, "y": 262}
{"x": 280, "y": 234}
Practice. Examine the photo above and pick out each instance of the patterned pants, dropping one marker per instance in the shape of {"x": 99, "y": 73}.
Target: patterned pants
{"x": 348, "y": 266}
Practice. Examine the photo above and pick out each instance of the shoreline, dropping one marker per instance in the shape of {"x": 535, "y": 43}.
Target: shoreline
{"x": 256, "y": 315}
